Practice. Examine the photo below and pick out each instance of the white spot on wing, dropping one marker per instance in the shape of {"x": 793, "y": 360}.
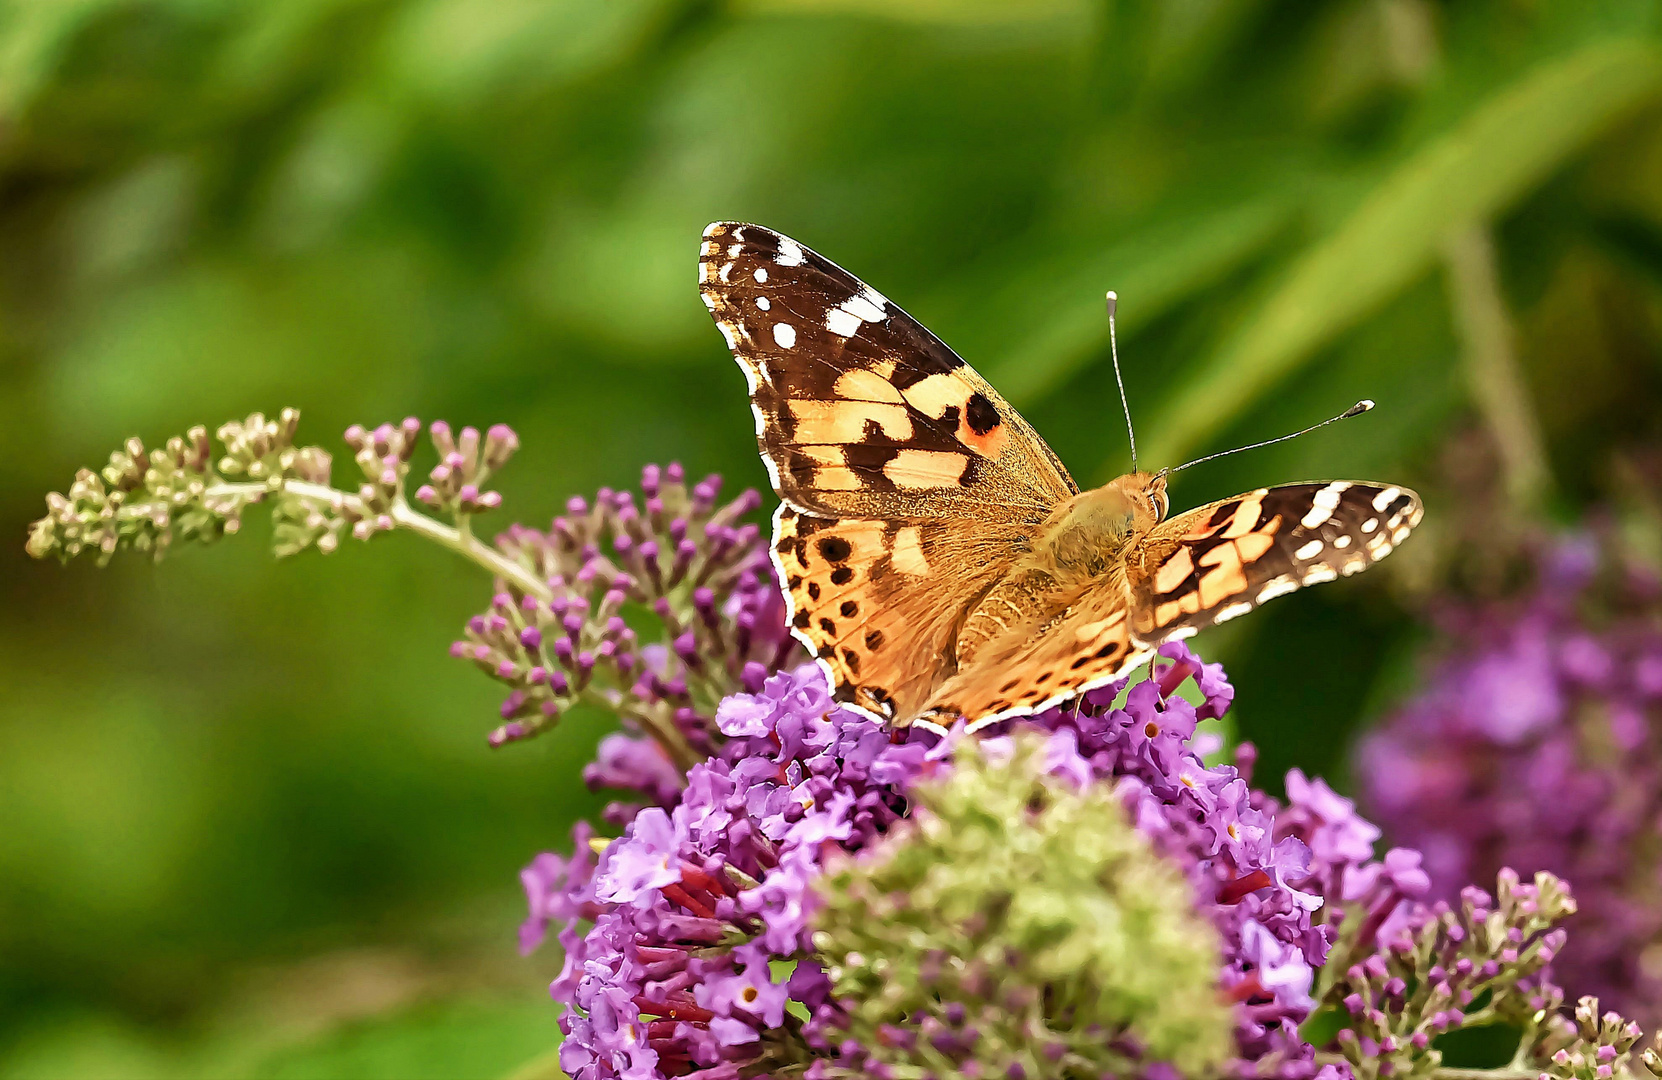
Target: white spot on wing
{"x": 861, "y": 308}
{"x": 726, "y": 268}
{"x": 1324, "y": 503}
{"x": 1386, "y": 498}
{"x": 1275, "y": 587}
{"x": 841, "y": 323}
{"x": 1341, "y": 542}
{"x": 709, "y": 301}
{"x": 1369, "y": 525}
{"x": 1183, "y": 632}
{"x": 761, "y": 275}
{"x": 1318, "y": 574}
{"x": 784, "y": 334}
{"x": 764, "y": 303}
{"x": 873, "y": 297}
{"x": 1232, "y": 611}
{"x": 727, "y": 332}
{"x": 1309, "y": 551}
{"x": 790, "y": 252}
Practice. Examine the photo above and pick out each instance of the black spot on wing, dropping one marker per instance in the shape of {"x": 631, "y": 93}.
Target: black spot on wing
{"x": 981, "y": 414}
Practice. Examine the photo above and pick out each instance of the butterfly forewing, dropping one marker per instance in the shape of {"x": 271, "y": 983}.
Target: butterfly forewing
{"x": 1218, "y": 562}
{"x": 861, "y": 412}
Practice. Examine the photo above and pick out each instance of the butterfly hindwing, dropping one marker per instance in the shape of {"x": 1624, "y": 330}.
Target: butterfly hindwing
{"x": 859, "y": 599}
{"x": 1218, "y": 562}
{"x": 1085, "y": 645}
{"x": 861, "y": 411}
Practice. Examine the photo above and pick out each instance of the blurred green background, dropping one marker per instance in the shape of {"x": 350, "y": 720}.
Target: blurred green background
{"x": 248, "y": 822}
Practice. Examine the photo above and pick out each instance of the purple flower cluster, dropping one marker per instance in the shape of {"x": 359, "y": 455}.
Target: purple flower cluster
{"x": 1537, "y": 743}
{"x": 679, "y": 553}
{"x": 708, "y": 889}
{"x": 1269, "y": 877}
{"x": 691, "y": 906}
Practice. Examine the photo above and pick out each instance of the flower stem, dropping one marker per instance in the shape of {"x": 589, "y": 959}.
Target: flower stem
{"x": 467, "y": 545}
{"x": 404, "y": 516}
{"x": 1491, "y": 363}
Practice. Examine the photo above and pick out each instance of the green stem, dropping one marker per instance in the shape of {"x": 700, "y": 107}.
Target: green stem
{"x": 1491, "y": 361}
{"x": 468, "y": 545}
{"x": 405, "y": 517}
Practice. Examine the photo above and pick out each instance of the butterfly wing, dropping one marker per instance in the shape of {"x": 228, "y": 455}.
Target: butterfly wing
{"x": 880, "y": 602}
{"x": 1218, "y": 562}
{"x": 860, "y": 411}
{"x": 1086, "y": 644}
{"x": 908, "y": 484}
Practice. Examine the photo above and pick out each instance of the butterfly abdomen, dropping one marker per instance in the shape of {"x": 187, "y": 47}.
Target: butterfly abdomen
{"x": 1012, "y": 609}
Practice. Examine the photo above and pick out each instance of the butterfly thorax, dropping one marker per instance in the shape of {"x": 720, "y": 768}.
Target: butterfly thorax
{"x": 1086, "y": 535}
{"x": 1079, "y": 547}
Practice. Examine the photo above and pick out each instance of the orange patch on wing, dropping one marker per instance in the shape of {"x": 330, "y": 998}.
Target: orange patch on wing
{"x": 845, "y": 421}
{"x": 913, "y": 469}
{"x": 1253, "y": 545}
{"x": 862, "y": 384}
{"x": 1174, "y": 571}
{"x": 1201, "y": 530}
{"x": 1172, "y": 610}
{"x": 907, "y": 553}
{"x": 1225, "y": 579}
{"x": 934, "y": 395}
{"x": 1246, "y": 517}
{"x": 989, "y": 444}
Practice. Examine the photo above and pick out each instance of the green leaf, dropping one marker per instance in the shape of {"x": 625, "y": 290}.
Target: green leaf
{"x": 1151, "y": 271}
{"x": 1506, "y": 146}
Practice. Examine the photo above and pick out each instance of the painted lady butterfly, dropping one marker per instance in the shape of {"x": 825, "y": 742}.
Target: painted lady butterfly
{"x": 937, "y": 557}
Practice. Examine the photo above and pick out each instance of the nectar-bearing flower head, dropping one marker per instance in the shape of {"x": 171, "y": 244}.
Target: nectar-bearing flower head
{"x": 1536, "y": 742}
{"x": 680, "y": 553}
{"x": 1018, "y": 921}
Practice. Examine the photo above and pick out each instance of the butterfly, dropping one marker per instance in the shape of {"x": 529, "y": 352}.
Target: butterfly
{"x": 935, "y": 554}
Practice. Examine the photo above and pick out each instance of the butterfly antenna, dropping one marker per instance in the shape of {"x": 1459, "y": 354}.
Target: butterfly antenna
{"x": 1114, "y": 351}
{"x": 1355, "y": 410}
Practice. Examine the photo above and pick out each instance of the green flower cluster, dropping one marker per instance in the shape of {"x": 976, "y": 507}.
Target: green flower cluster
{"x": 1022, "y": 924}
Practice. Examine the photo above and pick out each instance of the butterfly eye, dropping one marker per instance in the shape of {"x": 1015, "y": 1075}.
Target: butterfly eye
{"x": 1158, "y": 502}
